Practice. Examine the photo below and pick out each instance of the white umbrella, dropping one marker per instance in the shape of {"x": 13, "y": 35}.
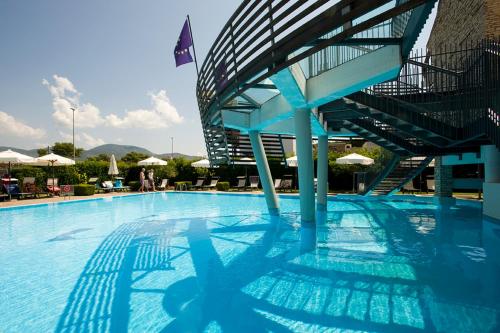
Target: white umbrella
{"x": 201, "y": 164}
{"x": 355, "y": 159}
{"x": 113, "y": 168}
{"x": 52, "y": 160}
{"x": 152, "y": 161}
{"x": 11, "y": 157}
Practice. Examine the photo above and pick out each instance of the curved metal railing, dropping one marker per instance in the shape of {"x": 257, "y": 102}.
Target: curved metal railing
{"x": 264, "y": 37}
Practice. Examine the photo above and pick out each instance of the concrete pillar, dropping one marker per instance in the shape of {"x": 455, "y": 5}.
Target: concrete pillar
{"x": 491, "y": 186}
{"x": 443, "y": 177}
{"x": 264, "y": 172}
{"x": 322, "y": 172}
{"x": 306, "y": 165}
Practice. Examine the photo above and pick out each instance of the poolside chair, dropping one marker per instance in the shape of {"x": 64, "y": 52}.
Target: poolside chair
{"x": 107, "y": 186}
{"x": 53, "y": 186}
{"x": 199, "y": 183}
{"x": 286, "y": 184}
{"x": 118, "y": 186}
{"x": 277, "y": 184}
{"x": 431, "y": 185}
{"x": 29, "y": 188}
{"x": 408, "y": 187}
{"x": 242, "y": 182}
{"x": 164, "y": 185}
{"x": 213, "y": 183}
{"x": 254, "y": 182}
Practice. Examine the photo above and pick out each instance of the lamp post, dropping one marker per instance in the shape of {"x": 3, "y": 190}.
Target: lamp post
{"x": 74, "y": 150}
{"x": 172, "y": 155}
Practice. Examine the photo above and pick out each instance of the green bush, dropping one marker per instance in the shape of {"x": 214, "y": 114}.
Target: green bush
{"x": 84, "y": 189}
{"x": 223, "y": 186}
{"x": 178, "y": 184}
{"x": 134, "y": 185}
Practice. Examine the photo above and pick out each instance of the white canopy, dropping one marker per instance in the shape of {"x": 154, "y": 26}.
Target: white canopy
{"x": 201, "y": 164}
{"x": 152, "y": 161}
{"x": 9, "y": 156}
{"x": 52, "y": 160}
{"x": 245, "y": 161}
{"x": 292, "y": 162}
{"x": 355, "y": 159}
{"x": 113, "y": 168}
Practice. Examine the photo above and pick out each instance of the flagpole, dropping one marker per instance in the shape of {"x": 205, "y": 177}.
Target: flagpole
{"x": 194, "y": 50}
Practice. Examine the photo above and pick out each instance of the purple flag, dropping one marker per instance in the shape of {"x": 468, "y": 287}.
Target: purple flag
{"x": 181, "y": 51}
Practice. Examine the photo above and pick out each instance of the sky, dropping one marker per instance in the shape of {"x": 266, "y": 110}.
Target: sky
{"x": 113, "y": 61}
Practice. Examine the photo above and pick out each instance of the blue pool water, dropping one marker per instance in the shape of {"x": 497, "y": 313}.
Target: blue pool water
{"x": 184, "y": 262}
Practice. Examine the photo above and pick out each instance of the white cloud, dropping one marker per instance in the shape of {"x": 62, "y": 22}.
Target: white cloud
{"x": 83, "y": 139}
{"x": 13, "y": 127}
{"x": 161, "y": 114}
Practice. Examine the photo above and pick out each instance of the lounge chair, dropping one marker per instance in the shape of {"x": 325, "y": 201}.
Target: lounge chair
{"x": 242, "y": 182}
{"x": 53, "y": 186}
{"x": 277, "y": 184}
{"x": 29, "y": 188}
{"x": 164, "y": 185}
{"x": 431, "y": 185}
{"x": 408, "y": 187}
{"x": 199, "y": 183}
{"x": 286, "y": 184}
{"x": 118, "y": 186}
{"x": 107, "y": 186}
{"x": 213, "y": 183}
{"x": 254, "y": 182}
{"x": 94, "y": 181}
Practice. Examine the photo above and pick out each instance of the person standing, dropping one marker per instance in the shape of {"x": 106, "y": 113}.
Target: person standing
{"x": 151, "y": 180}
{"x": 142, "y": 179}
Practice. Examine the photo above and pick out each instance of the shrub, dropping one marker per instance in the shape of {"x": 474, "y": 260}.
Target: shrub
{"x": 223, "y": 186}
{"x": 134, "y": 185}
{"x": 84, "y": 189}
{"x": 182, "y": 183}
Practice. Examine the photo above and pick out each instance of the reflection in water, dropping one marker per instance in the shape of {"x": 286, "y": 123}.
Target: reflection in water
{"x": 366, "y": 266}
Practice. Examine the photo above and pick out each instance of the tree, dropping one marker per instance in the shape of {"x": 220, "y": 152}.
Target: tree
{"x": 66, "y": 149}
{"x": 61, "y": 148}
{"x": 134, "y": 157}
{"x": 100, "y": 157}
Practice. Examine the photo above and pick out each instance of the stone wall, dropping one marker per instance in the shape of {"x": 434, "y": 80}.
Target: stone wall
{"x": 461, "y": 21}
{"x": 443, "y": 177}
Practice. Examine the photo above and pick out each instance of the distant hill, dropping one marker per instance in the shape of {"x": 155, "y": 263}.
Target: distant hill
{"x": 118, "y": 150}
{"x": 29, "y": 152}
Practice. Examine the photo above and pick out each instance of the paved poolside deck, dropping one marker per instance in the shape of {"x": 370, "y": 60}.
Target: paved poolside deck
{"x": 26, "y": 202}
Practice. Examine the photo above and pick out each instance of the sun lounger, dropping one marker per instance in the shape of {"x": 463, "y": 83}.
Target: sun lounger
{"x": 242, "y": 182}
{"x": 431, "y": 185}
{"x": 286, "y": 184}
{"x": 254, "y": 182}
{"x": 164, "y": 185}
{"x": 118, "y": 186}
{"x": 277, "y": 184}
{"x": 408, "y": 187}
{"x": 213, "y": 183}
{"x": 107, "y": 186}
{"x": 29, "y": 188}
{"x": 53, "y": 186}
{"x": 199, "y": 183}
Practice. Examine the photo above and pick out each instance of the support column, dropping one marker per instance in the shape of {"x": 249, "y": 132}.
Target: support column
{"x": 306, "y": 165}
{"x": 264, "y": 172}
{"x": 443, "y": 177}
{"x": 491, "y": 186}
{"x": 322, "y": 172}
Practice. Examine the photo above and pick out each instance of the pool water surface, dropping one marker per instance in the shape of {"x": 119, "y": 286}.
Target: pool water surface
{"x": 186, "y": 262}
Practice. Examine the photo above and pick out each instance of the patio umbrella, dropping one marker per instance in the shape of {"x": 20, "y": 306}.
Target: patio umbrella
{"x": 354, "y": 159}
{"x": 11, "y": 157}
{"x": 246, "y": 161}
{"x": 201, "y": 164}
{"x": 293, "y": 162}
{"x": 152, "y": 161}
{"x": 52, "y": 160}
{"x": 113, "y": 168}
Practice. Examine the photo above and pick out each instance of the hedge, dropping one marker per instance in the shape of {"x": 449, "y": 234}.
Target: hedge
{"x": 84, "y": 189}
{"x": 182, "y": 183}
{"x": 223, "y": 186}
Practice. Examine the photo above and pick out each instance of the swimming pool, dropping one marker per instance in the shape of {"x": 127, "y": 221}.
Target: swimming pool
{"x": 186, "y": 262}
